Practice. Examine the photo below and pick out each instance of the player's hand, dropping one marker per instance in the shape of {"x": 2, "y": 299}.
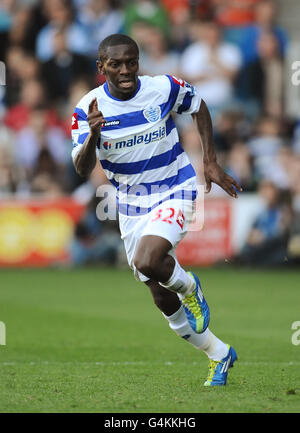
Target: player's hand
{"x": 95, "y": 117}
{"x": 214, "y": 173}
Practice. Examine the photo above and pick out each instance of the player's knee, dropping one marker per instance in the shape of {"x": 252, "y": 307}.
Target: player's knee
{"x": 146, "y": 263}
{"x": 144, "y": 266}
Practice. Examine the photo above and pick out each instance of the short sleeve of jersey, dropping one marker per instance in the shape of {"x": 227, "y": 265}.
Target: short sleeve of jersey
{"x": 184, "y": 96}
{"x": 80, "y": 127}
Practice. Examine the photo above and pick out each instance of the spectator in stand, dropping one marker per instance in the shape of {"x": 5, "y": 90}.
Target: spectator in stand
{"x": 263, "y": 78}
{"x": 265, "y": 21}
{"x": 281, "y": 166}
{"x": 179, "y": 38}
{"x": 294, "y": 240}
{"x": 47, "y": 177}
{"x": 267, "y": 137}
{"x": 176, "y": 8}
{"x": 61, "y": 16}
{"x": 63, "y": 69}
{"x": 265, "y": 145}
{"x": 14, "y": 60}
{"x": 100, "y": 18}
{"x": 232, "y": 13}
{"x": 179, "y": 13}
{"x": 296, "y": 138}
{"x": 11, "y": 173}
{"x": 230, "y": 126}
{"x": 155, "y": 58}
{"x": 20, "y": 25}
{"x": 293, "y": 170}
{"x": 35, "y": 137}
{"x": 211, "y": 65}
{"x": 20, "y": 22}
{"x": 6, "y": 19}
{"x": 267, "y": 241}
{"x": 147, "y": 11}
{"x": 21, "y": 66}
{"x": 239, "y": 164}
{"x": 32, "y": 95}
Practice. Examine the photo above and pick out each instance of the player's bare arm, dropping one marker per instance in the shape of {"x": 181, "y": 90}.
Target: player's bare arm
{"x": 212, "y": 171}
{"x": 85, "y": 160}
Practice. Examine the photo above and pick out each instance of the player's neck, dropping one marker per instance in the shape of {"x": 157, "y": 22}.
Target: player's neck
{"x": 121, "y": 95}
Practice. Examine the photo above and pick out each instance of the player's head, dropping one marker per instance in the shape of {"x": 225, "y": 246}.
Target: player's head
{"x": 118, "y": 57}
{"x": 112, "y": 41}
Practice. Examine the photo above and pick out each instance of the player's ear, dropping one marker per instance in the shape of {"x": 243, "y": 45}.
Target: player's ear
{"x": 100, "y": 66}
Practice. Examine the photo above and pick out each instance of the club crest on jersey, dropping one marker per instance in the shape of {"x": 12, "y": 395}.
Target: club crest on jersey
{"x": 152, "y": 114}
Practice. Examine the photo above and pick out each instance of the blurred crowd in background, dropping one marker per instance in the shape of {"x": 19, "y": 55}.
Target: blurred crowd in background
{"x": 232, "y": 51}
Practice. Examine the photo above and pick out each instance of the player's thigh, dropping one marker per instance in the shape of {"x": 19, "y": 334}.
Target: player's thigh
{"x": 168, "y": 223}
{"x": 151, "y": 248}
{"x": 131, "y": 229}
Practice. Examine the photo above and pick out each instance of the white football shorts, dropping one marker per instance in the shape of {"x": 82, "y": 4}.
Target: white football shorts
{"x": 170, "y": 220}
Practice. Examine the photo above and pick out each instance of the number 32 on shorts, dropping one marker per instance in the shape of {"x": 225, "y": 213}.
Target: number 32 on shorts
{"x": 168, "y": 215}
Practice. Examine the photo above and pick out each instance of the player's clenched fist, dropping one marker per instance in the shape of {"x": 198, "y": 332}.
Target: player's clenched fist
{"x": 95, "y": 117}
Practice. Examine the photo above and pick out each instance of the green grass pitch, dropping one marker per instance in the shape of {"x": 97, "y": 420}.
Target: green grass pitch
{"x": 91, "y": 340}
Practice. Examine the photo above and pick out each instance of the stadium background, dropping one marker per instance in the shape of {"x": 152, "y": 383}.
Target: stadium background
{"x": 88, "y": 338}
{"x": 238, "y": 54}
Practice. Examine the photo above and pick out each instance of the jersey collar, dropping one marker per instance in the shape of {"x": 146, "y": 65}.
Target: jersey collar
{"x": 105, "y": 86}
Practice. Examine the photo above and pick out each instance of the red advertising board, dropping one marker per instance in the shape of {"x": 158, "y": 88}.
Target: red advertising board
{"x": 37, "y": 232}
{"x": 212, "y": 242}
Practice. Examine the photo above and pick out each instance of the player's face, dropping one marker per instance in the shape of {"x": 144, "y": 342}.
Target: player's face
{"x": 120, "y": 69}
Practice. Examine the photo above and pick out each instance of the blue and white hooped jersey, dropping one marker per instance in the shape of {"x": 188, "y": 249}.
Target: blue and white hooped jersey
{"x": 139, "y": 147}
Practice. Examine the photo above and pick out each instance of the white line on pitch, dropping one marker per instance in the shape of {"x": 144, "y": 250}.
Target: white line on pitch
{"x": 121, "y": 363}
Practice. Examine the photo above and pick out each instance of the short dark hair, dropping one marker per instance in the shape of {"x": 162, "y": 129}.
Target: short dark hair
{"x": 113, "y": 40}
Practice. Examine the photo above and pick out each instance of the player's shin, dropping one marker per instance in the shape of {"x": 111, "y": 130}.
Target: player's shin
{"x": 188, "y": 288}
